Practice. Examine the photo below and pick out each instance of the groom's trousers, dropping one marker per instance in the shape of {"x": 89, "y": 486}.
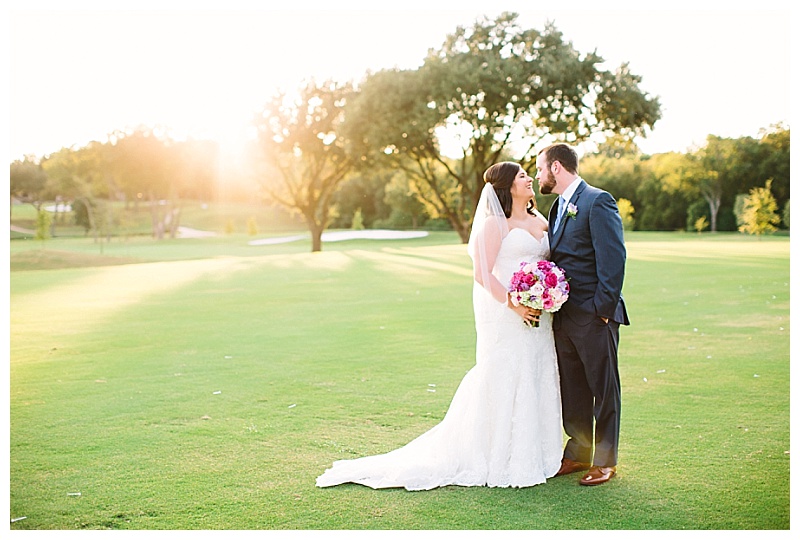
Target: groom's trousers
{"x": 590, "y": 389}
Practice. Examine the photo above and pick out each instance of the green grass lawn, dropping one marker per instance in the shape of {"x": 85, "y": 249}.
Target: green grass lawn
{"x": 206, "y": 386}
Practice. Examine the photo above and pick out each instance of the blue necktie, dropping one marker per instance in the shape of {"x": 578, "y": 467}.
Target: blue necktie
{"x": 562, "y": 207}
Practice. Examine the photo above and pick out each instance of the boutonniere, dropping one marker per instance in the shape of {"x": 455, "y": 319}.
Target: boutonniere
{"x": 572, "y": 210}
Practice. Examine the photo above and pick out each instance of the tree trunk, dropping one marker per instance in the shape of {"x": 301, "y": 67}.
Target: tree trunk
{"x": 316, "y": 241}
{"x": 54, "y": 221}
{"x": 155, "y": 219}
{"x": 176, "y": 222}
{"x": 461, "y": 228}
{"x": 316, "y": 233}
{"x": 109, "y": 221}
{"x": 463, "y": 232}
{"x": 714, "y": 202}
{"x": 172, "y": 220}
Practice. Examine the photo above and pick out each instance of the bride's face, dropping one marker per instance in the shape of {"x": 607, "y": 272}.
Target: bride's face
{"x": 522, "y": 186}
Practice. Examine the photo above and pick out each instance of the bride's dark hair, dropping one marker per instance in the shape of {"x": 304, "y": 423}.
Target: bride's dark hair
{"x": 501, "y": 176}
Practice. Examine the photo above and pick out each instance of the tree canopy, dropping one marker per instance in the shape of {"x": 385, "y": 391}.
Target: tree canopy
{"x": 304, "y": 150}
{"x": 491, "y": 92}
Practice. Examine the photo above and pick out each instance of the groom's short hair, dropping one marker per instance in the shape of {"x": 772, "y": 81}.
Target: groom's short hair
{"x": 564, "y": 154}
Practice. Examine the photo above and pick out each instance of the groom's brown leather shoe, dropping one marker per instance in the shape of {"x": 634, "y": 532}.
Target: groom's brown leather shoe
{"x": 598, "y": 475}
{"x": 568, "y": 466}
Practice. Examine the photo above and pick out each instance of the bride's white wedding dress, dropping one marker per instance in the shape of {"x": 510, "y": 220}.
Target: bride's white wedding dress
{"x": 503, "y": 427}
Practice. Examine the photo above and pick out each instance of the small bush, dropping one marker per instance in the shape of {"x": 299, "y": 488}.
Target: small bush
{"x": 252, "y": 226}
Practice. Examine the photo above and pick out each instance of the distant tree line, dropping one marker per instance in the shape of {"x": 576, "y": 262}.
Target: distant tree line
{"x": 407, "y": 148}
{"x": 142, "y": 169}
{"x": 673, "y": 191}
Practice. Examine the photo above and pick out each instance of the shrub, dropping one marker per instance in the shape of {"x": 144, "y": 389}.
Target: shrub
{"x": 252, "y": 226}
{"x": 626, "y": 213}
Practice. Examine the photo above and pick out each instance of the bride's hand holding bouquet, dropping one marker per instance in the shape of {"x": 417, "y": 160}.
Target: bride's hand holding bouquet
{"x": 540, "y": 286}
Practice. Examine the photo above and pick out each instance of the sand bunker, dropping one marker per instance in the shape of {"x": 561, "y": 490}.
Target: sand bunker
{"x": 338, "y": 236}
{"x": 188, "y": 232}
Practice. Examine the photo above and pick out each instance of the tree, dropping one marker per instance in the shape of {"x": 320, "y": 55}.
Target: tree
{"x": 619, "y": 175}
{"x": 708, "y": 174}
{"x": 786, "y": 214}
{"x": 725, "y": 167}
{"x": 626, "y": 213}
{"x": 773, "y": 161}
{"x": 146, "y": 164}
{"x": 697, "y": 214}
{"x": 738, "y": 209}
{"x": 760, "y": 212}
{"x": 358, "y": 220}
{"x": 716, "y": 172}
{"x": 83, "y": 211}
{"x": 656, "y": 185}
{"x": 407, "y": 212}
{"x": 76, "y": 175}
{"x": 363, "y": 190}
{"x": 252, "y": 226}
{"x": 305, "y": 151}
{"x": 491, "y": 92}
{"x": 42, "y": 226}
{"x": 27, "y": 182}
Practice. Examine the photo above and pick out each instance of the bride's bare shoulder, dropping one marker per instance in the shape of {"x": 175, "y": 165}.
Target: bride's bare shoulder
{"x": 538, "y": 224}
{"x": 541, "y": 219}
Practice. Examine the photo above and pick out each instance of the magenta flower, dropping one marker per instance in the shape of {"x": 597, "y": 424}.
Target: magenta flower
{"x": 542, "y": 286}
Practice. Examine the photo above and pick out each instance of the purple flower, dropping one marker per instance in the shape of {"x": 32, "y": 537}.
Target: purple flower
{"x": 572, "y": 210}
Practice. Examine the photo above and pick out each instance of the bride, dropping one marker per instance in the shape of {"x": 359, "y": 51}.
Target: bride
{"x": 503, "y": 427}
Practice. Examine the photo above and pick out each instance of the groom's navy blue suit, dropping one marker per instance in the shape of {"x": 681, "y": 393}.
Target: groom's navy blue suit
{"x": 589, "y": 246}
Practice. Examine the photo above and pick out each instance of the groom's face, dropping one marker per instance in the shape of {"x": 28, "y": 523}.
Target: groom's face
{"x": 544, "y": 174}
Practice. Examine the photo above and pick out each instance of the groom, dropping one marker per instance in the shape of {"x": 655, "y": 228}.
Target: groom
{"x": 586, "y": 241}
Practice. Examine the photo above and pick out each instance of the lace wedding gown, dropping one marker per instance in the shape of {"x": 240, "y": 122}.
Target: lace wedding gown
{"x": 503, "y": 427}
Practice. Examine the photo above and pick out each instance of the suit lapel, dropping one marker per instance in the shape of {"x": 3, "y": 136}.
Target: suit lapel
{"x": 551, "y": 219}
{"x": 555, "y": 235}
{"x": 565, "y": 219}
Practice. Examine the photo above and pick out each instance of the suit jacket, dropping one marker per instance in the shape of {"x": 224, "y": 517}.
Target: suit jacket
{"x": 589, "y": 246}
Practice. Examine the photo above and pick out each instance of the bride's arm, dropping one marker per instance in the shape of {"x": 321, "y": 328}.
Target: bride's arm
{"x": 484, "y": 263}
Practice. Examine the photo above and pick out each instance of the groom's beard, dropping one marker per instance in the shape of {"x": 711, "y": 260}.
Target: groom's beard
{"x": 547, "y": 183}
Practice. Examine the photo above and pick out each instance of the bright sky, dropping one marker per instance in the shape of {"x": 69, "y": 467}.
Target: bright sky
{"x": 79, "y": 73}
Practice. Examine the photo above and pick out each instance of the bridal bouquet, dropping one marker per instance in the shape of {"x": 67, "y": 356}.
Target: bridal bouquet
{"x": 541, "y": 285}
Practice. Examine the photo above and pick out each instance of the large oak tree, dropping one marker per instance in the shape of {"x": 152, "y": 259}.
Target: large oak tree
{"x": 491, "y": 92}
